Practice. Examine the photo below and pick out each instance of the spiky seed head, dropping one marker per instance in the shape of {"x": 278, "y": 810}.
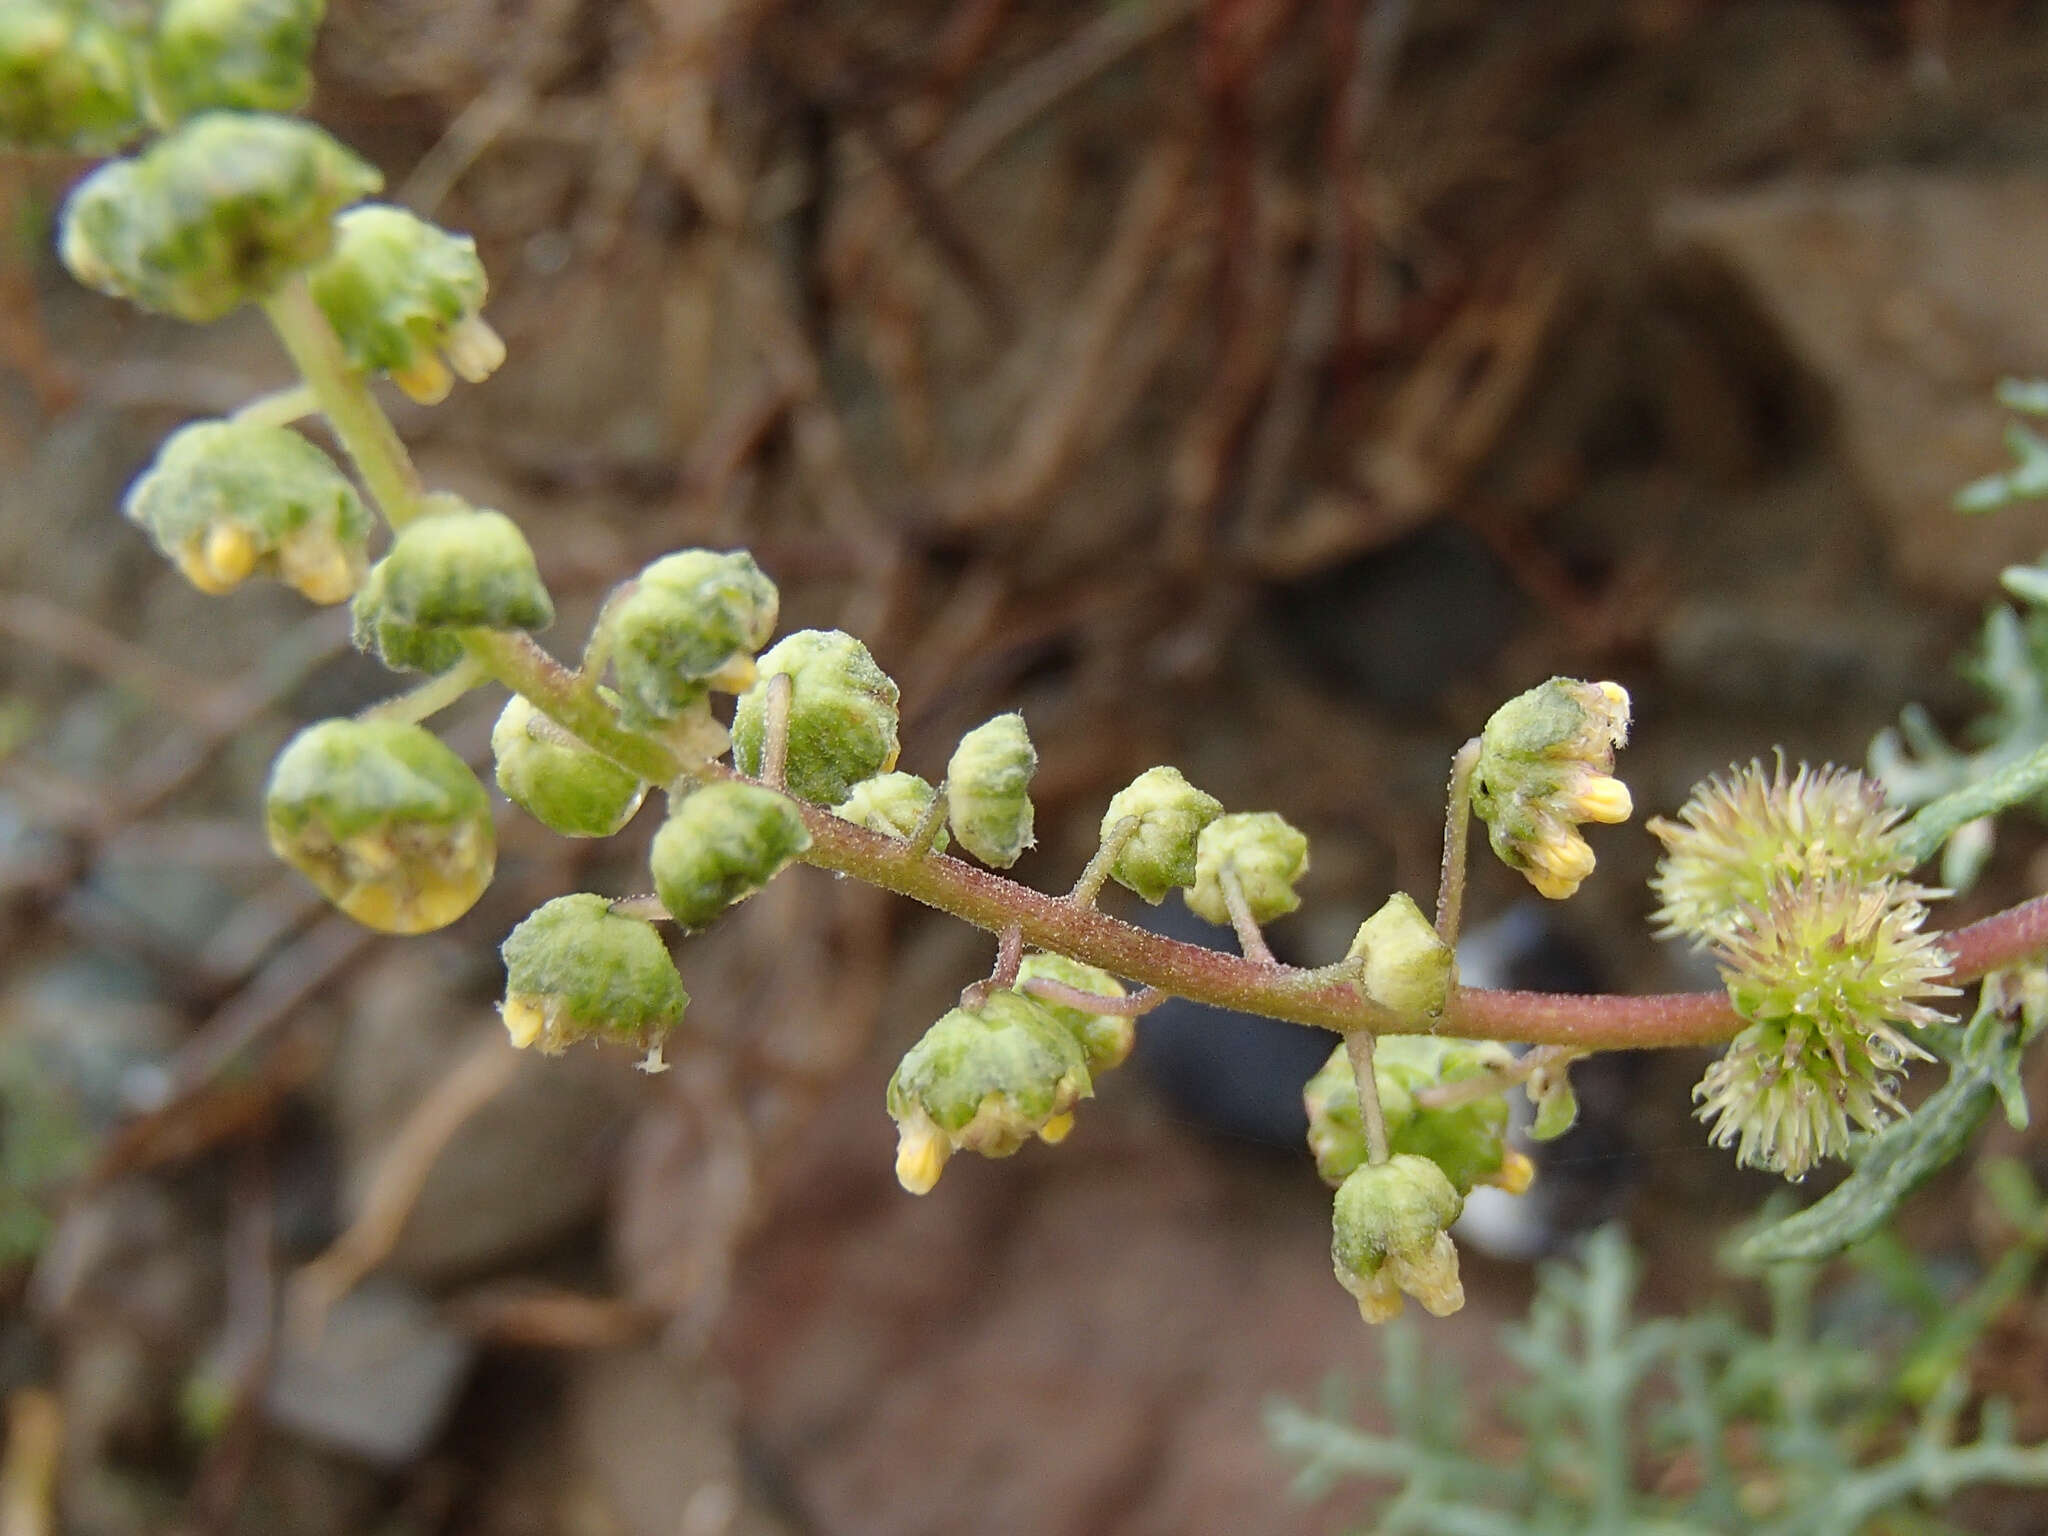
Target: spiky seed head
{"x": 1742, "y": 833}
{"x": 1830, "y": 972}
{"x": 576, "y": 968}
{"x": 988, "y": 790}
{"x": 842, "y": 715}
{"x": 1264, "y": 854}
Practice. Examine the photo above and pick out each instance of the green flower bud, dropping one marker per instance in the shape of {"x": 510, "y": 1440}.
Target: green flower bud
{"x": 66, "y": 81}
{"x": 458, "y": 568}
{"x": 984, "y": 1079}
{"x": 1550, "y": 1093}
{"x": 691, "y": 622}
{"x": 390, "y": 825}
{"x": 1467, "y": 1140}
{"x": 576, "y": 968}
{"x": 1263, "y": 851}
{"x": 242, "y": 55}
{"x": 988, "y": 790}
{"x": 890, "y": 803}
{"x": 557, "y": 780}
{"x": 1409, "y": 969}
{"x": 1389, "y": 1235}
{"x": 1171, "y": 814}
{"x": 842, "y": 715}
{"x": 720, "y": 845}
{"x": 227, "y": 500}
{"x": 211, "y": 216}
{"x": 404, "y": 297}
{"x": 1106, "y": 1038}
{"x": 1546, "y": 763}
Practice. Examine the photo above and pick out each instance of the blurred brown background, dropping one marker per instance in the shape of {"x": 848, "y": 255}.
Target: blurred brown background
{"x": 1264, "y": 386}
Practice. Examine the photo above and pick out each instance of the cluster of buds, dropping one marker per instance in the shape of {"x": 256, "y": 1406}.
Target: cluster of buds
{"x": 390, "y": 825}
{"x": 212, "y": 216}
{"x": 1466, "y": 1139}
{"x": 686, "y": 627}
{"x": 577, "y": 968}
{"x": 1545, "y": 766}
{"x": 1797, "y": 885}
{"x": 227, "y": 500}
{"x": 82, "y": 77}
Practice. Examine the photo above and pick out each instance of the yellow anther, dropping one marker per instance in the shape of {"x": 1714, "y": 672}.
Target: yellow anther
{"x": 425, "y": 379}
{"x": 1515, "y": 1174}
{"x": 524, "y": 1020}
{"x": 921, "y": 1153}
{"x": 1055, "y": 1130}
{"x": 1603, "y": 799}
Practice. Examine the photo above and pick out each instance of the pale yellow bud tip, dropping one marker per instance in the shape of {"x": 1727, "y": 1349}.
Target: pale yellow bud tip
{"x": 1379, "y": 1300}
{"x": 425, "y": 379}
{"x": 1564, "y": 856}
{"x": 523, "y": 1020}
{"x": 1432, "y": 1277}
{"x": 1615, "y": 694}
{"x": 474, "y": 350}
{"x": 221, "y": 561}
{"x": 1054, "y": 1131}
{"x": 1604, "y": 800}
{"x": 1515, "y": 1174}
{"x": 316, "y": 565}
{"x": 921, "y": 1153}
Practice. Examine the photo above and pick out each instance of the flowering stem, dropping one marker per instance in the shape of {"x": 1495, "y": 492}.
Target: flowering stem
{"x": 1330, "y": 997}
{"x": 366, "y": 433}
{"x": 1450, "y": 889}
{"x": 1358, "y": 1045}
{"x": 1249, "y": 939}
{"x": 1089, "y": 886}
{"x": 430, "y": 697}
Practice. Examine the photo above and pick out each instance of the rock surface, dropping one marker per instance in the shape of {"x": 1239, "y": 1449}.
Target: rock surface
{"x": 1908, "y": 297}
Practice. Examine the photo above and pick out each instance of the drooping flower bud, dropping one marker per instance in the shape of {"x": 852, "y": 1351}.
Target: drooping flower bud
{"x": 462, "y": 568}
{"x": 1546, "y": 764}
{"x": 405, "y": 297}
{"x": 240, "y": 55}
{"x": 890, "y": 803}
{"x": 576, "y": 968}
{"x": 1550, "y": 1093}
{"x": 984, "y": 1079}
{"x": 1106, "y": 1038}
{"x": 842, "y": 715}
{"x": 720, "y": 845}
{"x": 1265, "y": 855}
{"x": 1409, "y": 969}
{"x": 1467, "y": 1140}
{"x": 988, "y": 790}
{"x": 390, "y": 825}
{"x": 557, "y": 780}
{"x": 226, "y": 500}
{"x": 691, "y": 623}
{"x": 1171, "y": 814}
{"x": 1737, "y": 837}
{"x": 213, "y": 215}
{"x": 1389, "y": 1235}
{"x": 67, "y": 79}
{"x": 1827, "y": 970}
